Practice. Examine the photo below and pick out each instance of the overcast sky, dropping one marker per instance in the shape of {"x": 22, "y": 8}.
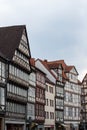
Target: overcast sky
{"x": 57, "y": 29}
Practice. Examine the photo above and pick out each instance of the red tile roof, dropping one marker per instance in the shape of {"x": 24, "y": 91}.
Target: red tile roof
{"x": 68, "y": 68}
{"x": 32, "y": 62}
{"x": 55, "y": 64}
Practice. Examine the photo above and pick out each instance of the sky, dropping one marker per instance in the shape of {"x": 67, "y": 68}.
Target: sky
{"x": 57, "y": 29}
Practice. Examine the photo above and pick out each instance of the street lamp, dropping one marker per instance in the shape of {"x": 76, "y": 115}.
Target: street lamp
{"x": 30, "y": 122}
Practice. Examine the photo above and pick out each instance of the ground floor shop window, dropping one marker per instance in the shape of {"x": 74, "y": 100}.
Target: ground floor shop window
{"x": 14, "y": 127}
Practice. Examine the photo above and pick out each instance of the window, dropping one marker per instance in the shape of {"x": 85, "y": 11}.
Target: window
{"x": 59, "y": 91}
{"x": 40, "y": 110}
{"x": 31, "y": 94}
{"x": 47, "y": 115}
{"x": 75, "y": 112}
{"x": 70, "y": 111}
{"x": 18, "y": 73}
{"x": 47, "y": 103}
{"x": 66, "y": 111}
{"x": 40, "y": 78}
{"x": 23, "y": 44}
{"x": 2, "y": 98}
{"x": 30, "y": 111}
{"x": 47, "y": 88}
{"x": 79, "y": 99}
{"x": 2, "y": 71}
{"x": 59, "y": 103}
{"x": 51, "y": 103}
{"x": 32, "y": 78}
{"x": 50, "y": 89}
{"x": 60, "y": 73}
{"x": 21, "y": 57}
{"x": 14, "y": 89}
{"x": 51, "y": 115}
{"x": 14, "y": 107}
{"x": 70, "y": 97}
{"x": 40, "y": 93}
{"x": 60, "y": 78}
{"x": 24, "y": 38}
{"x": 59, "y": 115}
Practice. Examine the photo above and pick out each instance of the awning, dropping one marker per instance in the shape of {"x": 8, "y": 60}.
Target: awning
{"x": 63, "y": 125}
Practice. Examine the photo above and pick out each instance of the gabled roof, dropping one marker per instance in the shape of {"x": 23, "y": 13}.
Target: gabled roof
{"x": 79, "y": 82}
{"x": 85, "y": 78}
{"x": 66, "y": 68}
{"x": 10, "y": 39}
{"x": 69, "y": 68}
{"x": 47, "y": 67}
{"x": 54, "y": 64}
{"x": 32, "y": 62}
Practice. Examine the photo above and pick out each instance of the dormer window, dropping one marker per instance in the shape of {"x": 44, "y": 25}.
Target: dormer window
{"x": 60, "y": 73}
{"x": 60, "y": 78}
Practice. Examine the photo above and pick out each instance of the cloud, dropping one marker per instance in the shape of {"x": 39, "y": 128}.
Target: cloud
{"x": 57, "y": 29}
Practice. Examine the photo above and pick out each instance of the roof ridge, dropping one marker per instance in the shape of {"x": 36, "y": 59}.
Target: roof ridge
{"x": 13, "y": 26}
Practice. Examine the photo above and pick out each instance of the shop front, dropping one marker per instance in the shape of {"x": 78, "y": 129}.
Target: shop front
{"x": 74, "y": 126}
{"x": 62, "y": 126}
{"x": 14, "y": 125}
{"x": 40, "y": 127}
{"x": 49, "y": 127}
{"x": 83, "y": 126}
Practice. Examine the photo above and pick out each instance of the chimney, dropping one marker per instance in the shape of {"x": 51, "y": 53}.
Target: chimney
{"x": 45, "y": 60}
